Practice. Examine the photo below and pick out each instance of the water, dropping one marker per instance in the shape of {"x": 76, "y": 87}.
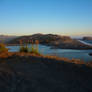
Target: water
{"x": 67, "y": 53}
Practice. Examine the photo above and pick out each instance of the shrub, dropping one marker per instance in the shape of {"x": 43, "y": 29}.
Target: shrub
{"x": 34, "y": 50}
{"x": 3, "y": 48}
{"x": 23, "y": 49}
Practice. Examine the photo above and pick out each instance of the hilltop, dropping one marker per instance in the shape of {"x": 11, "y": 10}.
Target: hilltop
{"x": 24, "y": 72}
{"x": 42, "y": 38}
{"x": 55, "y": 41}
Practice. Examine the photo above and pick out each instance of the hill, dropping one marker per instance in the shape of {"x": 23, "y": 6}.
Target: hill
{"x": 6, "y": 38}
{"x": 22, "y": 72}
{"x": 55, "y": 41}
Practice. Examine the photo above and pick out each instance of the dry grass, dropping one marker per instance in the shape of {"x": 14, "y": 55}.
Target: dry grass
{"x": 23, "y": 54}
{"x": 25, "y": 72}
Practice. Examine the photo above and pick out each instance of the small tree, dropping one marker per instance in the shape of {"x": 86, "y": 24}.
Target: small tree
{"x": 23, "y": 48}
{"x": 33, "y": 48}
{"x": 37, "y": 43}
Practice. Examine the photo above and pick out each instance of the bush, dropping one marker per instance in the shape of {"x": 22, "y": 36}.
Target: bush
{"x": 33, "y": 49}
{"x": 23, "y": 49}
{"x": 3, "y": 48}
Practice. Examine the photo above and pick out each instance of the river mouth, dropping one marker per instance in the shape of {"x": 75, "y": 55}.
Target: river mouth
{"x": 67, "y": 53}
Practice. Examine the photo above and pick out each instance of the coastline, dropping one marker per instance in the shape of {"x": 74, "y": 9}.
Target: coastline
{"x": 54, "y": 47}
{"x": 6, "y": 55}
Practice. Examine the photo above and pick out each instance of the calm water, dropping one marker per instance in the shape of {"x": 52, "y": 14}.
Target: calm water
{"x": 67, "y": 53}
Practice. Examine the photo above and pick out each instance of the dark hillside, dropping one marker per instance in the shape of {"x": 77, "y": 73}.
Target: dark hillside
{"x": 23, "y": 73}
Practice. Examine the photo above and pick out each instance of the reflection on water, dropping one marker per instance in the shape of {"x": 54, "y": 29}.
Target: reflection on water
{"x": 68, "y": 53}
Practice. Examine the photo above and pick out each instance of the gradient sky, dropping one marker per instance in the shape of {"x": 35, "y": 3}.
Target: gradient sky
{"x": 65, "y": 17}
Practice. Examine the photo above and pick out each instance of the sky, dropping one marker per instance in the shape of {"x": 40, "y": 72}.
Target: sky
{"x": 64, "y": 17}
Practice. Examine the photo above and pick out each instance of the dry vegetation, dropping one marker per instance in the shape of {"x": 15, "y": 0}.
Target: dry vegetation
{"x": 25, "y": 72}
{"x": 3, "y": 48}
{"x": 24, "y": 54}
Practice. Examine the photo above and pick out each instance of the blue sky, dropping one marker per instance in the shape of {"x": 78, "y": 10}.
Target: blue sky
{"x": 65, "y": 17}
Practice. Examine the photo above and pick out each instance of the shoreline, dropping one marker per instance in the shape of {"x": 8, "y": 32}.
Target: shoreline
{"x": 5, "y": 56}
{"x": 53, "y": 47}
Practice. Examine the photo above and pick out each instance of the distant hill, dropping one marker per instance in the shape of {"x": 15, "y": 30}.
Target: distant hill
{"x": 55, "y": 41}
{"x": 87, "y": 38}
{"x": 6, "y": 38}
{"x": 42, "y": 38}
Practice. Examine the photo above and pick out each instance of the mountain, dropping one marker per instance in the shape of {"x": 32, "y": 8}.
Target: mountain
{"x": 6, "y": 38}
{"x": 55, "y": 41}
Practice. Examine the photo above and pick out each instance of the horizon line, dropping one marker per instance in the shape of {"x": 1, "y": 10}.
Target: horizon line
{"x": 73, "y": 35}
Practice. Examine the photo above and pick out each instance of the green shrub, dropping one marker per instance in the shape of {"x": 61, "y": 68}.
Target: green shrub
{"x": 3, "y": 48}
{"x": 34, "y": 51}
{"x": 23, "y": 49}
